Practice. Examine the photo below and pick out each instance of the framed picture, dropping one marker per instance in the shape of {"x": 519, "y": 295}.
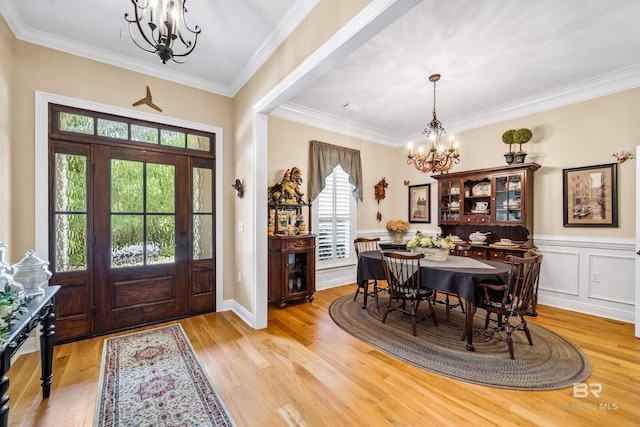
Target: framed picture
{"x": 420, "y": 203}
{"x": 590, "y": 196}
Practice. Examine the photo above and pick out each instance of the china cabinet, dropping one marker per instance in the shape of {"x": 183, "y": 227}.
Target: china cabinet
{"x": 498, "y": 201}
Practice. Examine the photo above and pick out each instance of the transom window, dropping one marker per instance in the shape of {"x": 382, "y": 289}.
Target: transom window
{"x": 117, "y": 128}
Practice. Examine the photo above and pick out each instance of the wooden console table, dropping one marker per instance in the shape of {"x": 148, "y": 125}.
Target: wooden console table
{"x": 40, "y": 310}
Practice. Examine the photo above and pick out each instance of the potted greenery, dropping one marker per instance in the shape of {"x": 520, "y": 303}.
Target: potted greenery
{"x": 507, "y": 138}
{"x": 521, "y": 136}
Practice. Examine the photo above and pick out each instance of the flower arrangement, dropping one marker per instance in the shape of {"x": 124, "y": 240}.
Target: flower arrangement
{"x": 398, "y": 225}
{"x": 11, "y": 304}
{"x": 423, "y": 240}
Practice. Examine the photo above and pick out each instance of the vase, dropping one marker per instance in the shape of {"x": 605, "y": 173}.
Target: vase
{"x": 397, "y": 237}
{"x": 520, "y": 157}
{"x": 509, "y": 157}
{"x": 432, "y": 254}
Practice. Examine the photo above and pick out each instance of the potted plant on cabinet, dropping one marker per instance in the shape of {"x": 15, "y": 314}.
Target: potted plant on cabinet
{"x": 521, "y": 136}
{"x": 507, "y": 138}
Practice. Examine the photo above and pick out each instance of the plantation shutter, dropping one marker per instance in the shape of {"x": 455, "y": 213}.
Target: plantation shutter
{"x": 334, "y": 217}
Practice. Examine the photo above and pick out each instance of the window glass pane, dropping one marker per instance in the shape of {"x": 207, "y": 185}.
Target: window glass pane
{"x": 70, "y": 182}
{"x": 113, "y": 129}
{"x": 198, "y": 142}
{"x": 160, "y": 188}
{"x": 127, "y": 248}
{"x": 70, "y": 242}
{"x": 75, "y": 123}
{"x": 144, "y": 134}
{"x": 172, "y": 138}
{"x": 126, "y": 186}
{"x": 202, "y": 190}
{"x": 202, "y": 236}
{"x": 160, "y": 239}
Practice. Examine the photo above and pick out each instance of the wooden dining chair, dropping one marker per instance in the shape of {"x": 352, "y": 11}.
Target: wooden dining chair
{"x": 363, "y": 244}
{"x": 459, "y": 250}
{"x": 403, "y": 276}
{"x": 512, "y": 302}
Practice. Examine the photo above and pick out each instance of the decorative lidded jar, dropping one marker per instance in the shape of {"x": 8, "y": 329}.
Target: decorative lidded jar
{"x": 31, "y": 273}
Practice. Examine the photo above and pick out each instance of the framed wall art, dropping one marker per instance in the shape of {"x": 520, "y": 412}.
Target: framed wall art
{"x": 420, "y": 203}
{"x": 590, "y": 196}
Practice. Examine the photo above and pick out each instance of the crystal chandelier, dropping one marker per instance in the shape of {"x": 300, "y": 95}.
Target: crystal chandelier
{"x": 159, "y": 23}
{"x": 437, "y": 159}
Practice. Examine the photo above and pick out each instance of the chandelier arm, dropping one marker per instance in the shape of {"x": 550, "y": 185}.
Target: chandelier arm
{"x": 145, "y": 38}
{"x": 138, "y": 18}
{"x": 196, "y": 30}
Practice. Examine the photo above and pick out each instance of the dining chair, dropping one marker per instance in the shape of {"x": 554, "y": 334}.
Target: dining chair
{"x": 403, "y": 276}
{"x": 363, "y": 244}
{"x": 459, "y": 250}
{"x": 514, "y": 300}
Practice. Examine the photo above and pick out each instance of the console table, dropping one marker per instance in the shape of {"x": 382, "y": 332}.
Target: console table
{"x": 40, "y": 310}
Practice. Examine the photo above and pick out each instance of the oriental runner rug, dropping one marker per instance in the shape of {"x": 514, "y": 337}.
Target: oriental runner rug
{"x": 552, "y": 362}
{"x": 153, "y": 378}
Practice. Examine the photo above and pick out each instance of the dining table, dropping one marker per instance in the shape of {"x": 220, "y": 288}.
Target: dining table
{"x": 457, "y": 274}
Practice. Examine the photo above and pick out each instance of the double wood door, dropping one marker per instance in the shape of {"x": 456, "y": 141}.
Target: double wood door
{"x": 131, "y": 238}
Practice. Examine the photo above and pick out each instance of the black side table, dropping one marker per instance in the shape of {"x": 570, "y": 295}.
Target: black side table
{"x": 40, "y": 310}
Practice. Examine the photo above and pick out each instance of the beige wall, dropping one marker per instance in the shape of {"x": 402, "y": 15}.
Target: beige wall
{"x": 582, "y": 134}
{"x": 289, "y": 147}
{"x": 7, "y": 47}
{"x": 42, "y": 69}
{"x": 323, "y": 21}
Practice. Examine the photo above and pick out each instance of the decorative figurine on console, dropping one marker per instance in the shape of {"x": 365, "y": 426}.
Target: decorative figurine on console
{"x": 287, "y": 191}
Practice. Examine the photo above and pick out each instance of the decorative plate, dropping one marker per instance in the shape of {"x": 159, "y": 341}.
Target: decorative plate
{"x": 482, "y": 189}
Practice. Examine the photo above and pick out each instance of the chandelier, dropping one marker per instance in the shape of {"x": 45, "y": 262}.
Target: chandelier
{"x": 159, "y": 23}
{"x": 437, "y": 159}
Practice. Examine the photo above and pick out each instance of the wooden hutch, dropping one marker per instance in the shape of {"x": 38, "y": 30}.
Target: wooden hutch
{"x": 292, "y": 254}
{"x": 498, "y": 201}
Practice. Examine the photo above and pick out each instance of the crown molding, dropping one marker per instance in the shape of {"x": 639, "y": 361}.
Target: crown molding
{"x": 607, "y": 84}
{"x": 74, "y": 47}
{"x": 308, "y": 116}
{"x": 281, "y": 33}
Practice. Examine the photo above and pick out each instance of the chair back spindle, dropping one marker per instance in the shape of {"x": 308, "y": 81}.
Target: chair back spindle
{"x": 363, "y": 244}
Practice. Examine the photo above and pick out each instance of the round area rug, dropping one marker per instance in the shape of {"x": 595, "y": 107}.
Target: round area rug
{"x": 552, "y": 362}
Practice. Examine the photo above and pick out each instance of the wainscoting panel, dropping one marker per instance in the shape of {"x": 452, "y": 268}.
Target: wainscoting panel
{"x": 590, "y": 275}
{"x": 607, "y": 278}
{"x": 554, "y": 277}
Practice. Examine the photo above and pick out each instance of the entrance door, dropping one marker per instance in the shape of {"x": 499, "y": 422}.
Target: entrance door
{"x": 142, "y": 239}
{"x": 131, "y": 221}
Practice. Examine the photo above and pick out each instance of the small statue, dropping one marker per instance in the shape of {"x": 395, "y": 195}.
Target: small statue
{"x": 288, "y": 191}
{"x": 239, "y": 188}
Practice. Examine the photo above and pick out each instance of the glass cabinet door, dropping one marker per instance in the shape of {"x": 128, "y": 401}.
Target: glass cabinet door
{"x": 297, "y": 280}
{"x": 508, "y": 198}
{"x": 449, "y": 201}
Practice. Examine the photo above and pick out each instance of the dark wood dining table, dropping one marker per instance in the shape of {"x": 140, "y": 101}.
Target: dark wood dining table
{"x": 442, "y": 276}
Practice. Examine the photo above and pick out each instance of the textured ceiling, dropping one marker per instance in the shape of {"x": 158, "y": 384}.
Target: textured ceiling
{"x": 499, "y": 59}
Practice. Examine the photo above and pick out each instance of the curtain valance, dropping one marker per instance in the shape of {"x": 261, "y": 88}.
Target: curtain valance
{"x": 324, "y": 158}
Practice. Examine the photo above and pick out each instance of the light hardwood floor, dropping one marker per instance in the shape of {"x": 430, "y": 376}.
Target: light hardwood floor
{"x": 303, "y": 370}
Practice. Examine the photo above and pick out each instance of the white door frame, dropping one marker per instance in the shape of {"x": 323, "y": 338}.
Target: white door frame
{"x": 637, "y": 242}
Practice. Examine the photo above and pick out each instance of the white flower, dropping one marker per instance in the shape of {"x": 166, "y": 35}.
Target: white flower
{"x": 423, "y": 240}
